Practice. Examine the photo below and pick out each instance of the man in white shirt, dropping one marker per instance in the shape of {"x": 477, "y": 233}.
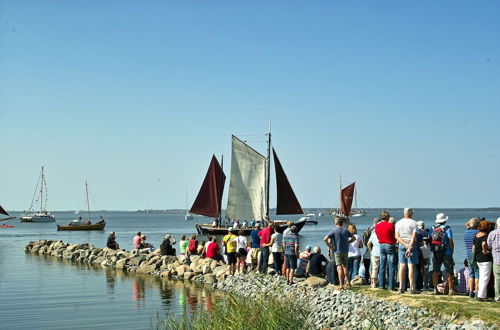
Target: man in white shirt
{"x": 406, "y": 235}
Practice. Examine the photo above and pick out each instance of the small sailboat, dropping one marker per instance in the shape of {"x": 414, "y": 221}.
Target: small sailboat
{"x": 248, "y": 197}
{"x": 79, "y": 224}
{"x": 188, "y": 215}
{"x": 2, "y": 211}
{"x": 346, "y": 199}
{"x": 40, "y": 195}
{"x": 310, "y": 219}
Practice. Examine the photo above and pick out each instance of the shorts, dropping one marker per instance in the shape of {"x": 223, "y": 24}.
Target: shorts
{"x": 341, "y": 259}
{"x": 473, "y": 271}
{"x": 231, "y": 258}
{"x": 439, "y": 258}
{"x": 291, "y": 262}
{"x": 411, "y": 260}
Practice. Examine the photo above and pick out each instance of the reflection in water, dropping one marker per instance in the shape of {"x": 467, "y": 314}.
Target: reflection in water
{"x": 138, "y": 291}
{"x": 110, "y": 281}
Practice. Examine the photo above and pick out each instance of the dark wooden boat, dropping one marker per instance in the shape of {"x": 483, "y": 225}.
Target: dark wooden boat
{"x": 94, "y": 226}
{"x": 207, "y": 229}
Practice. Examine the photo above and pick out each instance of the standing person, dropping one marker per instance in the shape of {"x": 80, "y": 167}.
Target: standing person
{"x": 421, "y": 235}
{"x": 493, "y": 242}
{"x": 385, "y": 232}
{"x": 183, "y": 244}
{"x": 137, "y": 240}
{"x": 469, "y": 234}
{"x": 338, "y": 240}
{"x": 374, "y": 247}
{"x": 291, "y": 247}
{"x": 406, "y": 235}
{"x": 288, "y": 228}
{"x": 265, "y": 238}
{"x": 354, "y": 254}
{"x": 367, "y": 255}
{"x": 484, "y": 259}
{"x": 442, "y": 248}
{"x": 241, "y": 252}
{"x": 425, "y": 249}
{"x": 229, "y": 241}
{"x": 255, "y": 248}
{"x": 111, "y": 243}
{"x": 276, "y": 245}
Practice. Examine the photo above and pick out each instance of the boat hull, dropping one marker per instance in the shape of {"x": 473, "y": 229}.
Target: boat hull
{"x": 38, "y": 218}
{"x": 96, "y": 226}
{"x": 207, "y": 229}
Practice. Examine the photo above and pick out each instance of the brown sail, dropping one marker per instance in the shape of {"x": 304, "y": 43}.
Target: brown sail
{"x": 346, "y": 197}
{"x": 287, "y": 202}
{"x": 3, "y": 211}
{"x": 209, "y": 199}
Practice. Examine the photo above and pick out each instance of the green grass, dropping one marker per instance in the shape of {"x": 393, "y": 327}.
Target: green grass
{"x": 237, "y": 313}
{"x": 461, "y": 307}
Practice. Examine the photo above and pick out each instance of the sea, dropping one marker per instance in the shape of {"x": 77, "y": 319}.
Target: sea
{"x": 40, "y": 292}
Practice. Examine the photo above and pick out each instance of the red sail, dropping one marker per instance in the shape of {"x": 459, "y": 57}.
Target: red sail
{"x": 287, "y": 202}
{"x": 346, "y": 199}
{"x": 209, "y": 199}
{"x": 3, "y": 211}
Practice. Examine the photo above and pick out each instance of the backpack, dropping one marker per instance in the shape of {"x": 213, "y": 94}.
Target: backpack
{"x": 192, "y": 247}
{"x": 439, "y": 238}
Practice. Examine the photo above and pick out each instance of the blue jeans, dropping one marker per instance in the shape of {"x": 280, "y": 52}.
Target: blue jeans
{"x": 387, "y": 252}
{"x": 353, "y": 266}
{"x": 264, "y": 259}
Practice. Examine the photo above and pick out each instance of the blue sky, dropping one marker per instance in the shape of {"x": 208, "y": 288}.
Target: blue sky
{"x": 403, "y": 97}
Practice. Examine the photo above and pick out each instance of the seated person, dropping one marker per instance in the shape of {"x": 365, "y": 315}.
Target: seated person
{"x": 166, "y": 248}
{"x": 111, "y": 243}
{"x": 145, "y": 245}
{"x": 303, "y": 262}
{"x": 316, "y": 267}
{"x": 213, "y": 251}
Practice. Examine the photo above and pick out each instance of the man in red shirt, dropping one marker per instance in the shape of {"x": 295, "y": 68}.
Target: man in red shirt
{"x": 385, "y": 232}
{"x": 213, "y": 250}
{"x": 265, "y": 238}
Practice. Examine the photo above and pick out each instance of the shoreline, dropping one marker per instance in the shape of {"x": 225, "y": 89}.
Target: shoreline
{"x": 326, "y": 306}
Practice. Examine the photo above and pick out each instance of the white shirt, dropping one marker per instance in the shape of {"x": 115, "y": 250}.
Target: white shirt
{"x": 354, "y": 250}
{"x": 406, "y": 227}
{"x": 241, "y": 242}
{"x": 278, "y": 242}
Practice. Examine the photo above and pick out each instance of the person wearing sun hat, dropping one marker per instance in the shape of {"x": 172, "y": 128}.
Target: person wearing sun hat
{"x": 442, "y": 247}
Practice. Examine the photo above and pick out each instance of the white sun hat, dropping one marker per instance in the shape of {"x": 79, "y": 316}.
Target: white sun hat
{"x": 441, "y": 218}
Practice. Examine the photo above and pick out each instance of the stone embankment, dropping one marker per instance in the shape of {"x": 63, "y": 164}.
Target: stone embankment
{"x": 325, "y": 306}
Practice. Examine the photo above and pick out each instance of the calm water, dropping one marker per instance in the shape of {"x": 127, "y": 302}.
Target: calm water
{"x": 44, "y": 293}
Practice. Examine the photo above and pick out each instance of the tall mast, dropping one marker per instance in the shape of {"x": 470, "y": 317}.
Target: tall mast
{"x": 355, "y": 198}
{"x": 41, "y": 191}
{"x": 88, "y": 206}
{"x": 340, "y": 193}
{"x": 268, "y": 172}
{"x": 221, "y": 175}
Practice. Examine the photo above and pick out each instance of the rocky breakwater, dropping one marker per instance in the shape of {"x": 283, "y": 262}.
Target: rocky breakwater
{"x": 329, "y": 308}
{"x": 135, "y": 261}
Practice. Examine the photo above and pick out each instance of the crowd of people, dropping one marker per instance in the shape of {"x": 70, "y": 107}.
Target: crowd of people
{"x": 399, "y": 256}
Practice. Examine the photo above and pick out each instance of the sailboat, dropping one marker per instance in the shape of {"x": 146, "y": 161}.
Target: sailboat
{"x": 248, "y": 197}
{"x": 346, "y": 199}
{"x": 79, "y": 224}
{"x": 40, "y": 195}
{"x": 188, "y": 215}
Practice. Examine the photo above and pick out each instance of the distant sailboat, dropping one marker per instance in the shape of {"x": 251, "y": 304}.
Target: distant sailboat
{"x": 41, "y": 196}
{"x": 346, "y": 199}
{"x": 188, "y": 215}
{"x": 248, "y": 197}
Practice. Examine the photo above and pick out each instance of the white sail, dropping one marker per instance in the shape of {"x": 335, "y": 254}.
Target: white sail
{"x": 247, "y": 198}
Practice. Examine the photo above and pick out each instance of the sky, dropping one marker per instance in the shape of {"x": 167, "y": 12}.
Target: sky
{"x": 135, "y": 97}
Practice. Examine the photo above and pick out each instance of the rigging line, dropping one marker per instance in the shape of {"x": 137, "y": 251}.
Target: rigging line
{"x": 251, "y": 134}
{"x": 34, "y": 194}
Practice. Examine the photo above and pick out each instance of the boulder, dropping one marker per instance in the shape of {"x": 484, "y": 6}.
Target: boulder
{"x": 120, "y": 264}
{"x": 194, "y": 259}
{"x": 315, "y": 282}
{"x": 72, "y": 247}
{"x": 181, "y": 259}
{"x": 209, "y": 278}
{"x": 188, "y": 275}
{"x": 180, "y": 270}
{"x": 109, "y": 252}
{"x": 214, "y": 264}
{"x": 166, "y": 273}
{"x": 206, "y": 269}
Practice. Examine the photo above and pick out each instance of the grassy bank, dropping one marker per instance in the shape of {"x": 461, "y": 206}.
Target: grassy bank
{"x": 461, "y": 307}
{"x": 238, "y": 313}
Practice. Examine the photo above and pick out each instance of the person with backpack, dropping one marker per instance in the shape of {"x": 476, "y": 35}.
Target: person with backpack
{"x": 441, "y": 242}
{"x": 192, "y": 246}
{"x": 229, "y": 241}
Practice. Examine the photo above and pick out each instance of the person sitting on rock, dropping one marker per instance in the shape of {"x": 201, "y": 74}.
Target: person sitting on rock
{"x": 145, "y": 245}
{"x": 316, "y": 266}
{"x": 137, "y": 240}
{"x": 166, "y": 248}
{"x": 111, "y": 243}
{"x": 303, "y": 262}
{"x": 213, "y": 251}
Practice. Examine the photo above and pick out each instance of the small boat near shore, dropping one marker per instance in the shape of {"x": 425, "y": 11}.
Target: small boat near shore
{"x": 310, "y": 219}
{"x": 82, "y": 226}
{"x": 79, "y": 224}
